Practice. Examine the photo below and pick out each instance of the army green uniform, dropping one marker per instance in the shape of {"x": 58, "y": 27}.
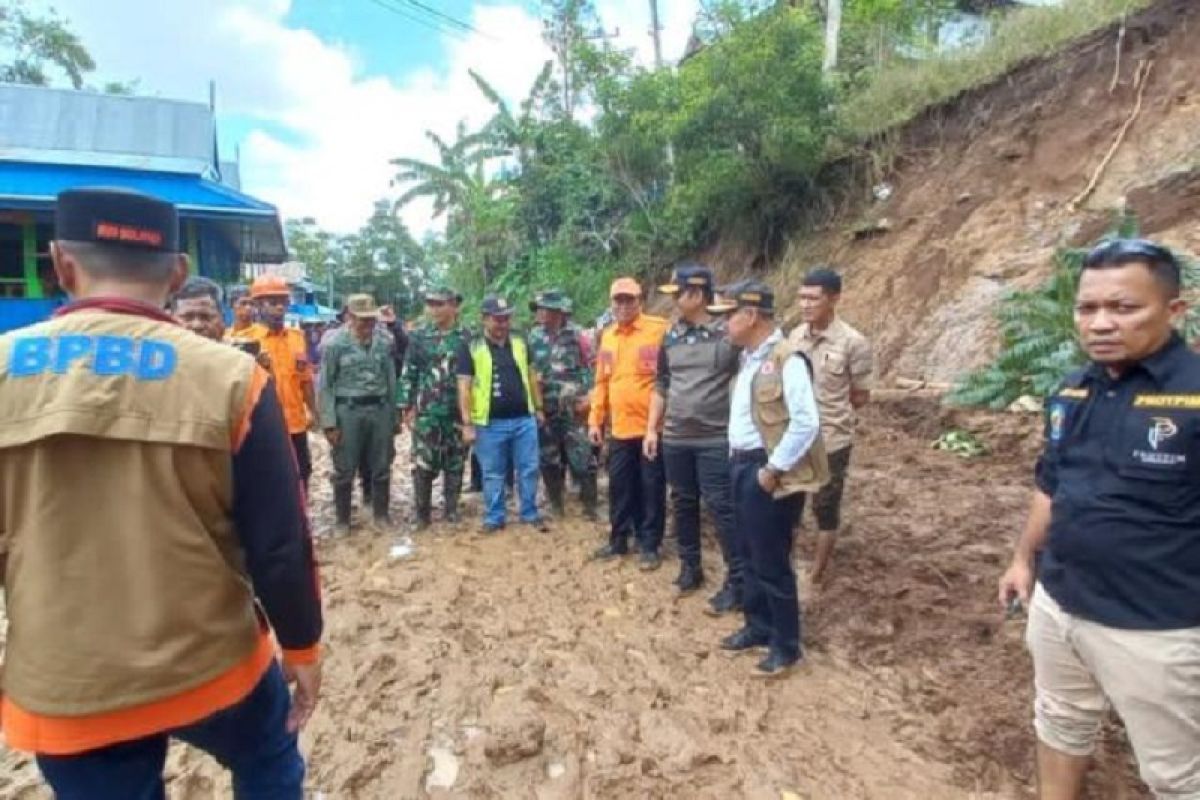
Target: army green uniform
{"x": 560, "y": 361}
{"x": 429, "y": 385}
{"x": 357, "y": 396}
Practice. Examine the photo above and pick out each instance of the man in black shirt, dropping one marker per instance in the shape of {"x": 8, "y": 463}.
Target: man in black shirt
{"x": 1115, "y": 617}
{"x": 501, "y": 404}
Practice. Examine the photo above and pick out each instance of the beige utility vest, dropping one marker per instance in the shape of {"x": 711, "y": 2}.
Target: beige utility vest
{"x": 771, "y": 417}
{"x": 123, "y": 580}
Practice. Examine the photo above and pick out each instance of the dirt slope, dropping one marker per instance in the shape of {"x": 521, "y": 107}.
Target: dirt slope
{"x": 982, "y": 188}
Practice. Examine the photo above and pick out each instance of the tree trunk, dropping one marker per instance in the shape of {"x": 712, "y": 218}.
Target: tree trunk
{"x": 833, "y": 30}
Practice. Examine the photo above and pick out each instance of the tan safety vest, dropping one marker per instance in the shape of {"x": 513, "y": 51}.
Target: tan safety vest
{"x": 124, "y": 579}
{"x": 771, "y": 417}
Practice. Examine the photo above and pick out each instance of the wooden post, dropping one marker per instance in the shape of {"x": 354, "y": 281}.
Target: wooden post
{"x": 33, "y": 285}
{"x": 193, "y": 248}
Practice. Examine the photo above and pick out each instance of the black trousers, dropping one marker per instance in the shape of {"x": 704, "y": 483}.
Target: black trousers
{"x": 695, "y": 474}
{"x": 637, "y": 492}
{"x": 303, "y": 456}
{"x": 764, "y": 536}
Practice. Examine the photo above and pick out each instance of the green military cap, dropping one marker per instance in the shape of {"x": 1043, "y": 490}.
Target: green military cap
{"x": 442, "y": 293}
{"x": 551, "y": 299}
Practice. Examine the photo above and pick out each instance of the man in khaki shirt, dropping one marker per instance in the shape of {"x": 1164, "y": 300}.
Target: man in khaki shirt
{"x": 842, "y": 364}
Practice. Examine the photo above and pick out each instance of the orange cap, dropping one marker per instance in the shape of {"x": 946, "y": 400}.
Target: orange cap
{"x": 625, "y": 286}
{"x": 269, "y": 286}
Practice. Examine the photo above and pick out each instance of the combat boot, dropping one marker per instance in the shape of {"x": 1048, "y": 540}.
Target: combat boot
{"x": 451, "y": 491}
{"x": 589, "y": 496}
{"x": 423, "y": 497}
{"x": 555, "y": 483}
{"x": 342, "y": 496}
{"x": 380, "y": 496}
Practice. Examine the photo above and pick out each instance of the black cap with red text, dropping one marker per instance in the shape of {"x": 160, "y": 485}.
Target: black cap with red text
{"x": 117, "y": 217}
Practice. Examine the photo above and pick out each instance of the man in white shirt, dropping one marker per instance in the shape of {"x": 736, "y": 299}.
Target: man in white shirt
{"x": 776, "y": 455}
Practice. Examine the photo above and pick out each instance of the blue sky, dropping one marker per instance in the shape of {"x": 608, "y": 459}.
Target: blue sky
{"x": 319, "y": 95}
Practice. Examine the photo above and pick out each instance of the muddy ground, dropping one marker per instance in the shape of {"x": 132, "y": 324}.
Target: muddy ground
{"x": 511, "y": 667}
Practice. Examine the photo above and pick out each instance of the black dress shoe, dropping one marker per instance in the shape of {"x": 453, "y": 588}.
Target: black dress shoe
{"x": 775, "y": 665}
{"x": 727, "y": 600}
{"x": 744, "y": 639}
{"x": 609, "y": 551}
{"x": 540, "y": 525}
{"x": 690, "y": 579}
{"x": 649, "y": 561}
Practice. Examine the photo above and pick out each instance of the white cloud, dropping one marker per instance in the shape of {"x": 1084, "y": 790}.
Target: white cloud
{"x": 327, "y": 130}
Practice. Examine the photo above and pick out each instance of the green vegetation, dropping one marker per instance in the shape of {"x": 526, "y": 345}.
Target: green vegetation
{"x": 963, "y": 444}
{"x": 33, "y": 47}
{"x": 895, "y": 95}
{"x": 607, "y": 168}
{"x": 1038, "y": 343}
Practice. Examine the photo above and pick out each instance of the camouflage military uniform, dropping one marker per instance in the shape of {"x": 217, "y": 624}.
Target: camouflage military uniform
{"x": 560, "y": 360}
{"x": 430, "y": 386}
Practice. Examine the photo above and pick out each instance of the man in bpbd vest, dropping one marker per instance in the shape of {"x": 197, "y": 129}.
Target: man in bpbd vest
{"x": 153, "y": 524}
{"x": 500, "y": 400}
{"x": 776, "y": 455}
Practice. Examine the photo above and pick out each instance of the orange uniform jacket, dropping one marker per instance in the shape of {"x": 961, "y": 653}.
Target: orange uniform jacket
{"x": 288, "y": 354}
{"x": 626, "y": 363}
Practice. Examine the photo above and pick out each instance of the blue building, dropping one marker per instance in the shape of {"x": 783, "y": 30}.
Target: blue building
{"x": 54, "y": 139}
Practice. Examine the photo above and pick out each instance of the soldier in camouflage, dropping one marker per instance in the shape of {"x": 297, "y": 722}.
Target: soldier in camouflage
{"x": 428, "y": 394}
{"x": 559, "y": 358}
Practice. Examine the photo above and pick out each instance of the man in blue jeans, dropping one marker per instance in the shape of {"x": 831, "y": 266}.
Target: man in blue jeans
{"x": 501, "y": 404}
{"x": 696, "y": 367}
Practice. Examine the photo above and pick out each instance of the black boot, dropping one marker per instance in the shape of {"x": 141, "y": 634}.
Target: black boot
{"x": 589, "y": 496}
{"x": 380, "y": 496}
{"x": 451, "y": 491}
{"x": 423, "y": 497}
{"x": 554, "y": 480}
{"x": 342, "y": 496}
{"x": 690, "y": 578}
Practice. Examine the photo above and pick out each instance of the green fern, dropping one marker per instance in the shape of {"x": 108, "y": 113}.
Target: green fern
{"x": 1038, "y": 343}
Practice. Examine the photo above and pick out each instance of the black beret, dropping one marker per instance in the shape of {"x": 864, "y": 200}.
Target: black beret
{"x": 117, "y": 217}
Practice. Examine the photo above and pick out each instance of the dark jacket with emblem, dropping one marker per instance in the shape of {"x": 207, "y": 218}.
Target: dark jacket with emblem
{"x": 1121, "y": 465}
{"x": 696, "y": 368}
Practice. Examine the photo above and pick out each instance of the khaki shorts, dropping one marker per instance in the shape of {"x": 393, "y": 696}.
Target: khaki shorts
{"x": 1152, "y": 679}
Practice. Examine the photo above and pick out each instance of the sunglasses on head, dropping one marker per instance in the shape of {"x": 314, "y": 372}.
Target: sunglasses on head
{"x": 1119, "y": 249}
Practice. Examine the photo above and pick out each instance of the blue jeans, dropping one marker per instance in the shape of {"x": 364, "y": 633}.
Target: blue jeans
{"x": 499, "y": 445}
{"x": 249, "y": 739}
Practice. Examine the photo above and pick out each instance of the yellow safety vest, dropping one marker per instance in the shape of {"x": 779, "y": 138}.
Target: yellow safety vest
{"x": 481, "y": 389}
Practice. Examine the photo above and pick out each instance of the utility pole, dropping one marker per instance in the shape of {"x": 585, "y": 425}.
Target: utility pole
{"x": 656, "y": 32}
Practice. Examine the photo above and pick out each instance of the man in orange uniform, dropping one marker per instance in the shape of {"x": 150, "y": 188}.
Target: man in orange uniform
{"x": 626, "y": 365}
{"x": 244, "y": 326}
{"x": 152, "y": 524}
{"x": 285, "y": 355}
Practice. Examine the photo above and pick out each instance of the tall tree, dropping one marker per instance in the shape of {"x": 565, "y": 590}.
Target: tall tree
{"x": 31, "y": 46}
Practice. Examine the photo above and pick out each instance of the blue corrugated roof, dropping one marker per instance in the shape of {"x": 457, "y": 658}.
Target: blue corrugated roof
{"x": 35, "y": 186}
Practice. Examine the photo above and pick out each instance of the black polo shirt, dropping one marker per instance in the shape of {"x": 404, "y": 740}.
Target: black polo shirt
{"x": 509, "y": 400}
{"x": 1122, "y": 464}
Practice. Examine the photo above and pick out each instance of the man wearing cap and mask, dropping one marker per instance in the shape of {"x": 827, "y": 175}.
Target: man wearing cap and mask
{"x": 284, "y": 353}
{"x": 696, "y": 367}
{"x": 500, "y": 400}
{"x": 776, "y": 456}
{"x": 358, "y": 411}
{"x": 429, "y": 400}
{"x": 626, "y": 362}
{"x": 153, "y": 522}
{"x": 558, "y": 357}
{"x": 842, "y": 363}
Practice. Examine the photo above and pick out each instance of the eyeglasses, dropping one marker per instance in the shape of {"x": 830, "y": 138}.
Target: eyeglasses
{"x": 1114, "y": 250}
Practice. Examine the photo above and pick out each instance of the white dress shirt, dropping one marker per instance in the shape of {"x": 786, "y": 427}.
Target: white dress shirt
{"x": 804, "y": 422}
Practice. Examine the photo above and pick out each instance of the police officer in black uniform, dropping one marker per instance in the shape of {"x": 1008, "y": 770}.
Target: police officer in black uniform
{"x": 1115, "y": 617}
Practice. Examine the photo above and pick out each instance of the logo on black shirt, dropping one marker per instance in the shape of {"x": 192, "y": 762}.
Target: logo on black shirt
{"x": 1161, "y": 429}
